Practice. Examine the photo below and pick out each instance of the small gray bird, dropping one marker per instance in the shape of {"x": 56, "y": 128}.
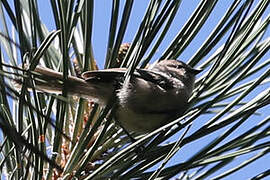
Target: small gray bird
{"x": 151, "y": 98}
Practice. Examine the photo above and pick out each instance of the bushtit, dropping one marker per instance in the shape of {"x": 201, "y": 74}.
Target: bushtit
{"x": 151, "y": 98}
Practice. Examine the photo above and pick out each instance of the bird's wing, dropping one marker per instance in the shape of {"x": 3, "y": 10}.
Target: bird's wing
{"x": 108, "y": 75}
{"x": 158, "y": 78}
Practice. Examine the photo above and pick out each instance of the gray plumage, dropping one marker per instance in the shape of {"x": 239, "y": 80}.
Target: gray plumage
{"x": 149, "y": 100}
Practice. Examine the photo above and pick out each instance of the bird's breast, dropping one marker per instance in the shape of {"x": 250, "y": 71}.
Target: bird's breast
{"x": 140, "y": 122}
{"x": 144, "y": 107}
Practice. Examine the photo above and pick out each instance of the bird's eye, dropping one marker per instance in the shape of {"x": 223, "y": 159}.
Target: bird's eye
{"x": 179, "y": 66}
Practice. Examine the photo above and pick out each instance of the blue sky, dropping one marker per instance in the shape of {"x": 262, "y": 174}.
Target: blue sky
{"x": 100, "y": 38}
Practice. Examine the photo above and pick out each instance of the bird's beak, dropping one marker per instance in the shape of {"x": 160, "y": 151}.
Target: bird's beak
{"x": 196, "y": 71}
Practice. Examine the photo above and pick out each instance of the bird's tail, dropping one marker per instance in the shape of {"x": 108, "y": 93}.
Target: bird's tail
{"x": 47, "y": 80}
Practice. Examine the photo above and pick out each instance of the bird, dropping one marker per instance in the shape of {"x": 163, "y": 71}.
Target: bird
{"x": 150, "y": 99}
